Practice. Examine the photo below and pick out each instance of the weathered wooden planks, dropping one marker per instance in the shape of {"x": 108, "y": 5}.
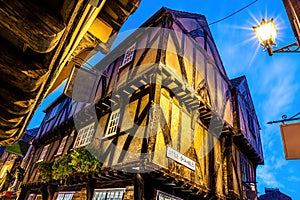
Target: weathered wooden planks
{"x": 19, "y": 70}
{"x": 30, "y": 24}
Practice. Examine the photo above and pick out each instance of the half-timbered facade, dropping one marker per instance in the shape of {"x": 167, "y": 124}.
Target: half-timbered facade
{"x": 160, "y": 115}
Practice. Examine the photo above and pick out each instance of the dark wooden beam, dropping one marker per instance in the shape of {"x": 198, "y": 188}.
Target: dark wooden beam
{"x": 180, "y": 55}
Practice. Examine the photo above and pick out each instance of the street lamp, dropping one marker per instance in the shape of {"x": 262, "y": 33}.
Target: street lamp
{"x": 266, "y": 32}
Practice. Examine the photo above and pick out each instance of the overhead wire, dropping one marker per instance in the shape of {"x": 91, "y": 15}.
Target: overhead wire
{"x": 239, "y": 10}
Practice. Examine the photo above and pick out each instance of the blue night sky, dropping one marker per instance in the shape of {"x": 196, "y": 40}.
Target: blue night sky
{"x": 272, "y": 80}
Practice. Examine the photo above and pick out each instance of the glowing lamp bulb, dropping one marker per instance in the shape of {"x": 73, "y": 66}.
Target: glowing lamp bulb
{"x": 266, "y": 32}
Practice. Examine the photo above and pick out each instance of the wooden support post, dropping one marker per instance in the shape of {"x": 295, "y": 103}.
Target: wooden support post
{"x": 155, "y": 92}
{"x": 44, "y": 191}
{"x": 149, "y": 184}
{"x": 211, "y": 164}
{"x": 139, "y": 188}
{"x": 51, "y": 191}
{"x": 228, "y": 171}
{"x": 90, "y": 189}
{"x": 22, "y": 194}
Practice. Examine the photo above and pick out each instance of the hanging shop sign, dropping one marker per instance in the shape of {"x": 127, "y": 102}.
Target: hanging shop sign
{"x": 290, "y": 134}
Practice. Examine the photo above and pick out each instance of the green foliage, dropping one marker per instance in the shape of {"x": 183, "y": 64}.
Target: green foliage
{"x": 45, "y": 169}
{"x": 79, "y": 160}
{"x": 84, "y": 161}
{"x": 9, "y": 177}
{"x": 20, "y": 173}
{"x": 61, "y": 168}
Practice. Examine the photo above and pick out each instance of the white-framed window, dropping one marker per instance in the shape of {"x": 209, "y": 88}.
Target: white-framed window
{"x": 44, "y": 152}
{"x": 109, "y": 194}
{"x": 165, "y": 196}
{"x": 113, "y": 123}
{"x": 62, "y": 145}
{"x": 128, "y": 55}
{"x": 84, "y": 136}
{"x": 65, "y": 195}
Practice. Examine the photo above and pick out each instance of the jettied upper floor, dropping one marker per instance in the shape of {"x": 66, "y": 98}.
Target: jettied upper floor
{"x": 39, "y": 41}
{"x": 179, "y": 48}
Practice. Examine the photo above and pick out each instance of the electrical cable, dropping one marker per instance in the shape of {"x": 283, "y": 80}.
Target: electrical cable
{"x": 233, "y": 13}
{"x": 84, "y": 61}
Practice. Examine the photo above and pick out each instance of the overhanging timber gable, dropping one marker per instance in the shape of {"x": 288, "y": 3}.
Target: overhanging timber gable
{"x": 195, "y": 29}
{"x": 164, "y": 18}
{"x": 246, "y": 124}
{"x": 195, "y": 25}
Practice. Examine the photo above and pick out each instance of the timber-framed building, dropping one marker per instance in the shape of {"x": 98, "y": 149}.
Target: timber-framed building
{"x": 160, "y": 115}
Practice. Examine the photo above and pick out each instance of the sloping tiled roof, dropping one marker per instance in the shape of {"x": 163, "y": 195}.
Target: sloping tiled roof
{"x": 237, "y": 81}
{"x": 29, "y": 134}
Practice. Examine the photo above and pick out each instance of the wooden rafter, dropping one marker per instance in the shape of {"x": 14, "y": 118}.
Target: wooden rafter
{"x": 179, "y": 55}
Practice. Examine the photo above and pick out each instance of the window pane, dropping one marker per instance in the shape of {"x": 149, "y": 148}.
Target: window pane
{"x": 60, "y": 197}
{"x": 84, "y": 136}
{"x": 113, "y": 123}
{"x": 65, "y": 196}
{"x": 62, "y": 145}
{"x": 108, "y": 194}
{"x": 129, "y": 55}
{"x": 43, "y": 153}
{"x": 165, "y": 196}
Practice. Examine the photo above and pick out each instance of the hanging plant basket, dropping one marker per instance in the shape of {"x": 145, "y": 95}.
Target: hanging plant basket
{"x": 78, "y": 161}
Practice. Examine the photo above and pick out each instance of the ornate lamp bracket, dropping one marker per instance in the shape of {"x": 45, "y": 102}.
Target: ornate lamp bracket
{"x": 292, "y": 48}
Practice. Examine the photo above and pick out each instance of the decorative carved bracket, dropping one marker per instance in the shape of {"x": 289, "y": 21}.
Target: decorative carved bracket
{"x": 291, "y": 48}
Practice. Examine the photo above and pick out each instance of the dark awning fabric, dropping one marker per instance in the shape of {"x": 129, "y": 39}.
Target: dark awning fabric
{"x": 20, "y": 148}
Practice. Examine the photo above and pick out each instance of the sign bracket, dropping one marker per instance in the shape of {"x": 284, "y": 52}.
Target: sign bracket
{"x": 286, "y": 119}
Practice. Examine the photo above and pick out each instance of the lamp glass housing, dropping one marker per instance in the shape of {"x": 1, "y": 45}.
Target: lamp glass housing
{"x": 266, "y": 32}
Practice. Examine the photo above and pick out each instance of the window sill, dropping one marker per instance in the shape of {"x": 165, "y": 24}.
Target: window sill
{"x": 122, "y": 66}
{"x": 107, "y": 137}
{"x": 77, "y": 147}
{"x": 57, "y": 155}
